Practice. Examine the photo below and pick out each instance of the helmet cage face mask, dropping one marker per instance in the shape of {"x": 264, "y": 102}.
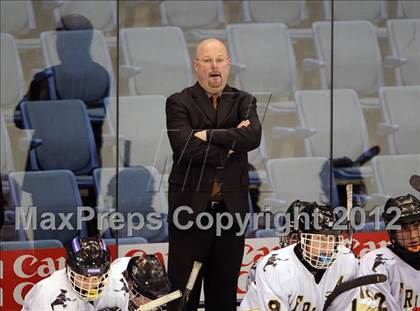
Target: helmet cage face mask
{"x": 320, "y": 250}
{"x": 136, "y": 299}
{"x": 408, "y": 237}
{"x": 87, "y": 288}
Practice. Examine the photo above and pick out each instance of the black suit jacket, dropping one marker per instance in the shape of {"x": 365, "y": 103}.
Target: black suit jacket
{"x": 195, "y": 162}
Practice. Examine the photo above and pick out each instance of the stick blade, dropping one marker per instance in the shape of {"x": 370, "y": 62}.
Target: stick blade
{"x": 415, "y": 182}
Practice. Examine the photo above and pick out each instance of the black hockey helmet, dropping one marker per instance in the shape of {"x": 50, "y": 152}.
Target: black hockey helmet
{"x": 146, "y": 276}
{"x": 292, "y": 213}
{"x": 88, "y": 262}
{"x": 319, "y": 242}
{"x": 408, "y": 205}
{"x": 404, "y": 211}
{"x": 88, "y": 256}
{"x": 317, "y": 219}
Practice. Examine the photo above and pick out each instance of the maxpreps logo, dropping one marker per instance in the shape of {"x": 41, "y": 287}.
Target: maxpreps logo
{"x": 28, "y": 270}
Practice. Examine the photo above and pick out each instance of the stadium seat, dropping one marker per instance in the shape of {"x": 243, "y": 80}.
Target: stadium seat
{"x": 51, "y": 192}
{"x": 350, "y": 132}
{"x": 291, "y": 13}
{"x": 102, "y": 14}
{"x": 265, "y": 53}
{"x": 392, "y": 174}
{"x": 306, "y": 179}
{"x": 408, "y": 9}
{"x": 261, "y": 154}
{"x": 405, "y": 49}
{"x": 67, "y": 138}
{"x": 143, "y": 147}
{"x": 36, "y": 244}
{"x": 139, "y": 191}
{"x": 357, "y": 58}
{"x": 17, "y": 17}
{"x": 198, "y": 19}
{"x": 7, "y": 154}
{"x": 162, "y": 55}
{"x": 373, "y": 11}
{"x": 400, "y": 114}
{"x": 12, "y": 82}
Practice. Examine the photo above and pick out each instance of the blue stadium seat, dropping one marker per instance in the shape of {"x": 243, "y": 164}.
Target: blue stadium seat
{"x": 67, "y": 138}
{"x": 138, "y": 192}
{"x": 51, "y": 192}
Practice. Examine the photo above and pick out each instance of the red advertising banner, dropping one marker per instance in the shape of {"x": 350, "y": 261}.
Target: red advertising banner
{"x": 20, "y": 269}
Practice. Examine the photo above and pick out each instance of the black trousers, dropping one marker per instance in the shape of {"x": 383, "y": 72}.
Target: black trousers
{"x": 221, "y": 257}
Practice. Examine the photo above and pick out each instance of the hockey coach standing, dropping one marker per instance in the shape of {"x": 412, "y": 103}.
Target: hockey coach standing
{"x": 211, "y": 127}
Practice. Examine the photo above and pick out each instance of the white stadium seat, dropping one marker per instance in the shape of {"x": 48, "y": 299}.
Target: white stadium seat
{"x": 102, "y": 14}
{"x": 373, "y": 11}
{"x": 199, "y": 19}
{"x": 357, "y": 58}
{"x": 350, "y": 132}
{"x": 265, "y": 54}
{"x": 143, "y": 147}
{"x": 291, "y": 13}
{"x": 408, "y": 9}
{"x": 12, "y": 82}
{"x": 305, "y": 179}
{"x": 17, "y": 17}
{"x": 161, "y": 54}
{"x": 400, "y": 109}
{"x": 392, "y": 174}
{"x": 404, "y": 40}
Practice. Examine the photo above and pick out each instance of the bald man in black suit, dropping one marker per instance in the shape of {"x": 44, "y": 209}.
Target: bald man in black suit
{"x": 211, "y": 127}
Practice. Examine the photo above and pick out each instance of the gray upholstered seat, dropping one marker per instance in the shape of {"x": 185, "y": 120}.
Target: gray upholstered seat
{"x": 66, "y": 134}
{"x": 50, "y": 192}
{"x": 139, "y": 190}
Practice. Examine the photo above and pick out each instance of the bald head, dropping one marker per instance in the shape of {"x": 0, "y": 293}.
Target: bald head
{"x": 212, "y": 65}
{"x": 210, "y": 44}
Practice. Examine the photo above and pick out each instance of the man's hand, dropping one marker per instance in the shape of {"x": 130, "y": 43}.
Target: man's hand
{"x": 201, "y": 135}
{"x": 244, "y": 123}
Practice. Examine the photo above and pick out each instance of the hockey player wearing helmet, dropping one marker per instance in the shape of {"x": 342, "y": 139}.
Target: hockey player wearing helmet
{"x": 300, "y": 276}
{"x": 143, "y": 278}
{"x": 88, "y": 262}
{"x": 287, "y": 237}
{"x": 81, "y": 284}
{"x": 400, "y": 261}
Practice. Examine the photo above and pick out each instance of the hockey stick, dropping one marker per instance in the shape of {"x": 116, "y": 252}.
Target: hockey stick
{"x": 190, "y": 285}
{"x": 160, "y": 301}
{"x": 415, "y": 182}
{"x": 349, "y": 192}
{"x": 349, "y": 285}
